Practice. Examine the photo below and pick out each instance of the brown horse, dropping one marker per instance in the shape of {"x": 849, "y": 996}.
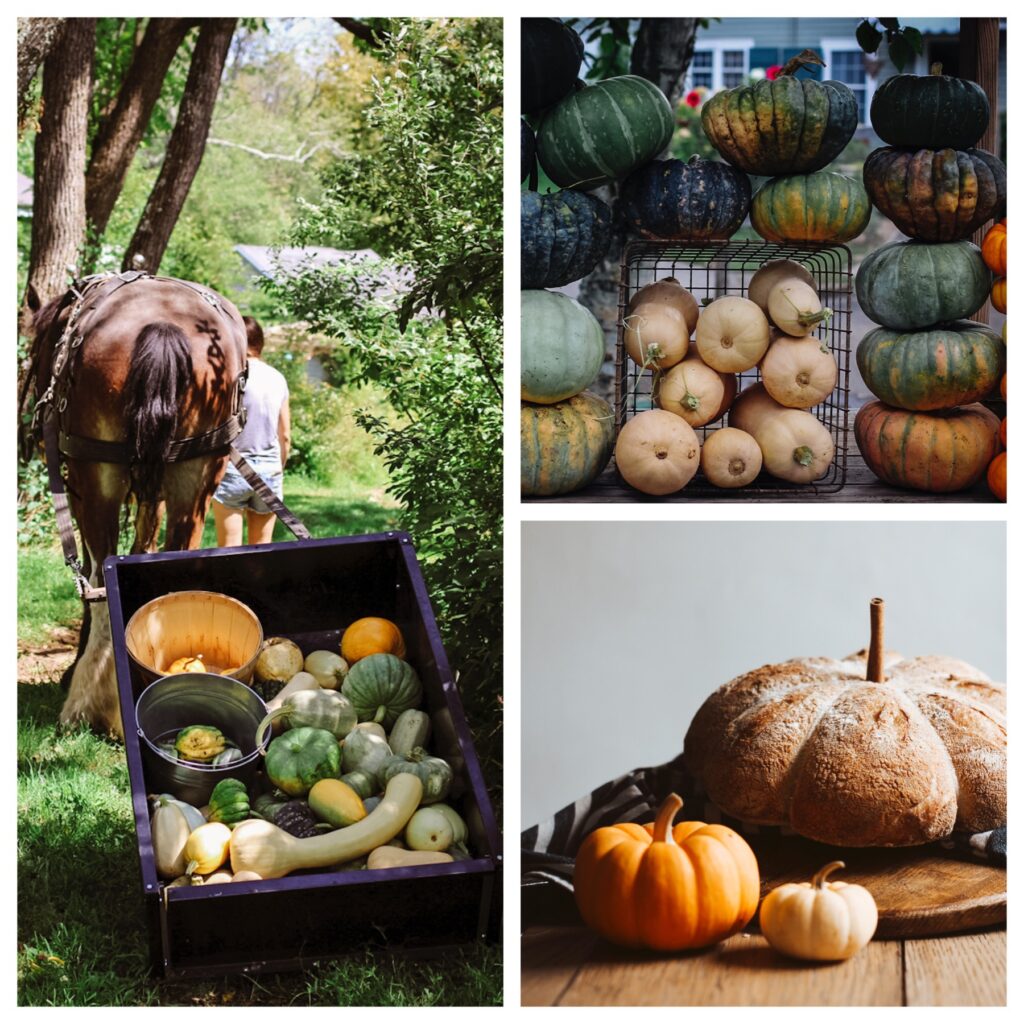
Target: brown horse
{"x": 127, "y": 366}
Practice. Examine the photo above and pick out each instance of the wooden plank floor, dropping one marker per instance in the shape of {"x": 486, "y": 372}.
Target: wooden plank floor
{"x": 567, "y": 965}
{"x": 861, "y": 486}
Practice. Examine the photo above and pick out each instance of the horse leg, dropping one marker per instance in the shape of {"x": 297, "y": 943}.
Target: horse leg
{"x": 92, "y": 695}
{"x": 189, "y": 486}
{"x": 147, "y": 526}
{"x": 83, "y": 633}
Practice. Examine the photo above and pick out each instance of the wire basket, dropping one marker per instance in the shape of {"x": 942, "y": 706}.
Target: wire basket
{"x": 709, "y": 270}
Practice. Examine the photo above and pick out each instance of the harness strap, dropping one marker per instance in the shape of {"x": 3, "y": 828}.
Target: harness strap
{"x": 273, "y": 502}
{"x": 211, "y": 442}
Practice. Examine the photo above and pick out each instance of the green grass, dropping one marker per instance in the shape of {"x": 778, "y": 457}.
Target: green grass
{"x": 46, "y": 593}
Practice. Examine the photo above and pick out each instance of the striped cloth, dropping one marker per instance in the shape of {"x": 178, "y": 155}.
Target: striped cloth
{"x": 549, "y": 849}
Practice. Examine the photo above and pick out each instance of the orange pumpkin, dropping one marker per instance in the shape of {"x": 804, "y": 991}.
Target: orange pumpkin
{"x": 999, "y": 294}
{"x": 371, "y": 636}
{"x": 660, "y": 887}
{"x": 1002, "y": 387}
{"x": 993, "y": 248}
{"x": 997, "y": 476}
{"x": 1002, "y": 432}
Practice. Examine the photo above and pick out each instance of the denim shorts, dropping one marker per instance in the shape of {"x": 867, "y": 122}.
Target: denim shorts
{"x": 234, "y": 491}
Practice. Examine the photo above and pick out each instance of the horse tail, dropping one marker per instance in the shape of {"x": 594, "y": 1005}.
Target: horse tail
{"x": 158, "y": 376}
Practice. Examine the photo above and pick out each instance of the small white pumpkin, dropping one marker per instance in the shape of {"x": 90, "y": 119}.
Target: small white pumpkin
{"x": 819, "y": 920}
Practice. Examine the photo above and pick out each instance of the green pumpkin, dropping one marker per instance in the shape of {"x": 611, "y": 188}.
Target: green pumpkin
{"x": 693, "y": 199}
{"x": 364, "y": 751}
{"x": 910, "y": 285}
{"x": 786, "y": 126}
{"x": 562, "y": 237}
{"x": 936, "y": 195}
{"x": 602, "y": 132}
{"x": 821, "y": 208}
{"x": 949, "y": 365}
{"x": 527, "y": 150}
{"x": 551, "y": 53}
{"x": 363, "y": 782}
{"x": 933, "y": 111}
{"x": 381, "y": 687}
{"x": 562, "y": 347}
{"x": 435, "y": 773}
{"x": 229, "y": 802}
{"x": 298, "y": 758}
{"x": 321, "y": 709}
{"x": 564, "y": 446}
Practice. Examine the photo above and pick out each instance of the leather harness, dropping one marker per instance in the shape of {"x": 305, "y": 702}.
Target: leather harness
{"x": 50, "y": 414}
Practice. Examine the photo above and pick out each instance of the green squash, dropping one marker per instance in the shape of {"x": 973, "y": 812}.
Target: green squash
{"x": 321, "y": 709}
{"x": 527, "y": 150}
{"x": 435, "y": 773}
{"x": 381, "y": 687}
{"x": 936, "y": 195}
{"x": 786, "y": 126}
{"x": 562, "y": 347}
{"x": 564, "y": 446}
{"x": 551, "y": 53}
{"x": 913, "y": 285}
{"x": 562, "y": 237}
{"x": 602, "y": 132}
{"x": 200, "y": 743}
{"x": 363, "y": 782}
{"x": 364, "y": 751}
{"x": 695, "y": 199}
{"x": 229, "y": 802}
{"x": 298, "y": 758}
{"x": 933, "y": 111}
{"x": 820, "y": 208}
{"x": 941, "y": 368}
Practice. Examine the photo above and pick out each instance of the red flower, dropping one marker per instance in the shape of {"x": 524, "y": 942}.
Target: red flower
{"x": 771, "y": 73}
{"x": 692, "y": 99}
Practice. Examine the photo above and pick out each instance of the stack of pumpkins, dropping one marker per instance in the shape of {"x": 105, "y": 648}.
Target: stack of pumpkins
{"x": 928, "y": 365}
{"x": 587, "y": 136}
{"x": 658, "y": 451}
{"x": 790, "y": 129}
{"x": 993, "y": 252}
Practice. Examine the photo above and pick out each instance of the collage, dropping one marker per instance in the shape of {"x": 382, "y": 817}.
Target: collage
{"x": 315, "y": 707}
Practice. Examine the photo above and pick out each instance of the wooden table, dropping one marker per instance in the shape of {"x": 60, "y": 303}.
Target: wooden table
{"x": 567, "y": 965}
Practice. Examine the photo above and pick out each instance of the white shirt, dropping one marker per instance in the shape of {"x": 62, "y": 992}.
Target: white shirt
{"x": 265, "y": 393}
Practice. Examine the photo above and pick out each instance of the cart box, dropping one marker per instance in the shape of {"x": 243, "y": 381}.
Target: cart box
{"x": 309, "y": 590}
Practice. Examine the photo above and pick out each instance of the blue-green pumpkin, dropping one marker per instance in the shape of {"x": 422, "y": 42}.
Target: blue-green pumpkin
{"x": 551, "y": 53}
{"x": 527, "y": 150}
{"x": 562, "y": 237}
{"x": 602, "y": 132}
{"x": 380, "y": 687}
{"x": 562, "y": 347}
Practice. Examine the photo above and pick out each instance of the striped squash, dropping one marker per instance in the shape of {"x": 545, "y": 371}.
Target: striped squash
{"x": 941, "y": 368}
{"x": 910, "y": 285}
{"x": 823, "y": 208}
{"x": 937, "y": 195}
{"x": 562, "y": 237}
{"x": 564, "y": 446}
{"x": 602, "y": 132}
{"x": 927, "y": 451}
{"x": 551, "y": 54}
{"x": 562, "y": 347}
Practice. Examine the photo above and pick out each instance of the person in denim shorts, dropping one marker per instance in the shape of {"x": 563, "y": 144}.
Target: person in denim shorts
{"x": 264, "y": 442}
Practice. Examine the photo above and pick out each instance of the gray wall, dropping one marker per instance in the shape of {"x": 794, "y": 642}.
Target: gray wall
{"x": 627, "y": 627}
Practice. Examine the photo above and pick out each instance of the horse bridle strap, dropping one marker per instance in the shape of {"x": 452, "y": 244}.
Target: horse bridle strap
{"x": 211, "y": 442}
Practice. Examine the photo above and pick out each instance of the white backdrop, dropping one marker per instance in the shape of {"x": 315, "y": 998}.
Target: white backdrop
{"x": 627, "y": 627}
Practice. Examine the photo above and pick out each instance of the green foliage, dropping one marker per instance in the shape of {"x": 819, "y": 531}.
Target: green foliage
{"x": 689, "y": 138}
{"x": 903, "y": 42}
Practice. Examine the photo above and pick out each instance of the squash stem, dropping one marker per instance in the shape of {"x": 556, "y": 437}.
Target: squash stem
{"x": 820, "y": 877}
{"x": 803, "y": 455}
{"x": 805, "y": 59}
{"x": 876, "y": 652}
{"x": 663, "y": 823}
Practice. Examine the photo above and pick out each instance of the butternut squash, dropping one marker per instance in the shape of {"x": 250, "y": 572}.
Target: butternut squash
{"x": 264, "y": 848}
{"x": 389, "y": 857}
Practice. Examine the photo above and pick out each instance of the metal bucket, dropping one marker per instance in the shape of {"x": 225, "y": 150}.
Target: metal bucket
{"x": 197, "y": 698}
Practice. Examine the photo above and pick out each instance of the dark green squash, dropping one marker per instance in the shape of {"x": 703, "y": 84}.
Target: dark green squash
{"x": 300, "y": 757}
{"x": 551, "y": 54}
{"x": 602, "y": 132}
{"x": 949, "y": 365}
{"x": 822, "y": 208}
{"x": 562, "y": 237}
{"x": 677, "y": 199}
{"x": 933, "y": 111}
{"x": 786, "y": 126}
{"x": 527, "y": 150}
{"x": 939, "y": 195}
{"x": 910, "y": 285}
{"x": 381, "y": 687}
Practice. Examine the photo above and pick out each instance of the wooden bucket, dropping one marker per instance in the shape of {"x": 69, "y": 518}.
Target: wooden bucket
{"x": 190, "y": 623}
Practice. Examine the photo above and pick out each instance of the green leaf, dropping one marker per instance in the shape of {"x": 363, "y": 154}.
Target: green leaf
{"x": 889, "y": 23}
{"x": 914, "y": 37}
{"x": 868, "y": 37}
{"x": 901, "y": 52}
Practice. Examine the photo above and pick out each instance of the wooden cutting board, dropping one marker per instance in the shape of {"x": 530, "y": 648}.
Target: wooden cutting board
{"x": 918, "y": 892}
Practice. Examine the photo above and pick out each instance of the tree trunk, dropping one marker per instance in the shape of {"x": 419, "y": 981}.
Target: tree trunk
{"x": 661, "y": 53}
{"x": 185, "y": 148}
{"x": 58, "y": 214}
{"x": 119, "y": 136}
{"x": 36, "y": 37}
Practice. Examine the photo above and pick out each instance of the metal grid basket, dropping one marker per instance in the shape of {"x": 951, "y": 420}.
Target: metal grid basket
{"x": 709, "y": 270}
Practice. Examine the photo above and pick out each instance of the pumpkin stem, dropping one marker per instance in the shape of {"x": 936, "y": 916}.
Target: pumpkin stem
{"x": 804, "y": 455}
{"x": 804, "y": 59}
{"x": 936, "y": 68}
{"x": 876, "y": 652}
{"x": 672, "y": 805}
{"x": 818, "y": 881}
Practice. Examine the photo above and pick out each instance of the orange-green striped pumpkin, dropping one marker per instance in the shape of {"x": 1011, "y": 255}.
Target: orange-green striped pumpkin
{"x": 939, "y": 368}
{"x": 565, "y": 446}
{"x": 824, "y": 208}
{"x": 927, "y": 451}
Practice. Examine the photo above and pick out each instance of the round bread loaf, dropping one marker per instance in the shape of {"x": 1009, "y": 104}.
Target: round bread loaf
{"x": 814, "y": 744}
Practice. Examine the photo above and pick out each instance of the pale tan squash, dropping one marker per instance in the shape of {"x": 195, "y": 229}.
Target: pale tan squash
{"x": 798, "y": 372}
{"x": 750, "y": 407}
{"x": 730, "y": 458}
{"x": 657, "y": 452}
{"x": 732, "y": 334}
{"x": 775, "y": 273}
{"x": 794, "y": 307}
{"x": 668, "y": 292}
{"x": 692, "y": 390}
{"x": 388, "y": 857}
{"x": 656, "y": 335}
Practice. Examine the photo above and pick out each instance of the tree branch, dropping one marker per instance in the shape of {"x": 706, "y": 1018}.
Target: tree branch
{"x": 361, "y": 30}
{"x": 299, "y": 156}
